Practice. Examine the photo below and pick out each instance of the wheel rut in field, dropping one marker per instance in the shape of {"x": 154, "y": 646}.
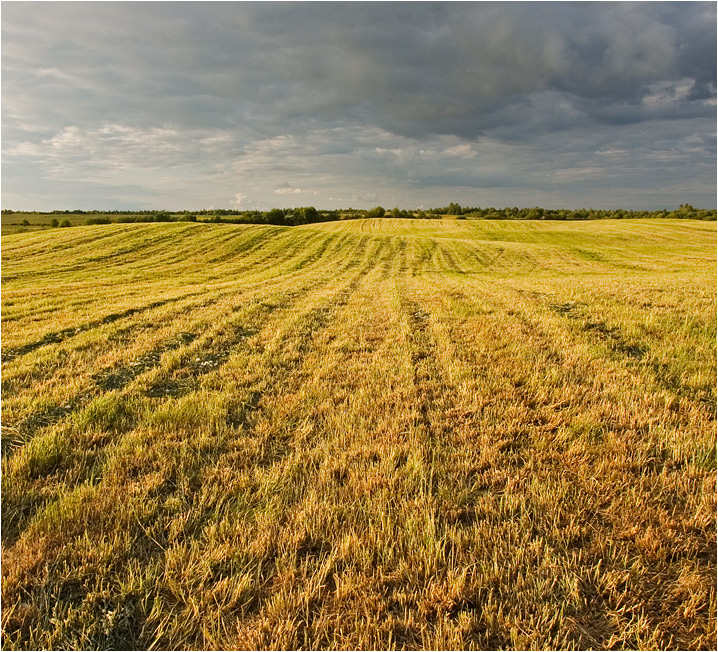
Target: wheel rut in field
{"x": 427, "y": 376}
{"x": 423, "y": 256}
{"x": 289, "y": 250}
{"x": 249, "y": 246}
{"x": 634, "y": 355}
{"x": 610, "y": 335}
{"x": 59, "y": 336}
{"x": 121, "y": 336}
{"x": 499, "y": 371}
{"x": 203, "y": 363}
{"x": 114, "y": 378}
{"x": 451, "y": 263}
{"x": 542, "y": 407}
{"x": 149, "y": 245}
{"x": 300, "y": 332}
{"x": 283, "y": 359}
{"x": 208, "y": 360}
{"x": 125, "y": 334}
{"x": 315, "y": 255}
{"x": 359, "y": 253}
{"x": 395, "y": 258}
{"x": 117, "y": 377}
{"x": 294, "y": 345}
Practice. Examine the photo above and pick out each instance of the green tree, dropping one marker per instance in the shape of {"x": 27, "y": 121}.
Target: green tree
{"x": 535, "y": 213}
{"x": 275, "y": 216}
{"x": 306, "y": 215}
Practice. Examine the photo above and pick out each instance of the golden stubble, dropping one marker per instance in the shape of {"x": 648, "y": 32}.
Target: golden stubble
{"x": 369, "y": 434}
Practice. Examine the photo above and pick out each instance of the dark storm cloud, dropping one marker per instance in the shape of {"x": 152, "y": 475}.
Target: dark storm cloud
{"x": 204, "y": 88}
{"x": 420, "y": 69}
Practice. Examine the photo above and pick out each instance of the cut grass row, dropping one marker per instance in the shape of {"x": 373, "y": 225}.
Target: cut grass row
{"x": 328, "y": 439}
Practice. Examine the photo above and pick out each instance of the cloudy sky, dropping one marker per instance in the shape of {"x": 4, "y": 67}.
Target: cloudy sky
{"x": 255, "y": 105}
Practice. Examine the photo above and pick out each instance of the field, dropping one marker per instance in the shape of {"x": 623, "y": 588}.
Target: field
{"x": 449, "y": 434}
{"x": 13, "y": 223}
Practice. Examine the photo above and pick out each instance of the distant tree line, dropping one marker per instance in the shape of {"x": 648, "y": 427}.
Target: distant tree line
{"x": 684, "y": 211}
{"x": 310, "y": 215}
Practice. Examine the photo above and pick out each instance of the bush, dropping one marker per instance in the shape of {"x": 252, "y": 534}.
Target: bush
{"x": 98, "y": 220}
{"x": 65, "y": 223}
{"x": 54, "y": 222}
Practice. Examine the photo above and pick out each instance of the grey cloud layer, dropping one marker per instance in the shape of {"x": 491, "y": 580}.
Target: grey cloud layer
{"x": 426, "y": 76}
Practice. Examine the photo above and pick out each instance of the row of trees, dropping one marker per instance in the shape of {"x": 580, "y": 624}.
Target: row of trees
{"x": 310, "y": 215}
{"x": 685, "y": 211}
{"x": 278, "y": 216}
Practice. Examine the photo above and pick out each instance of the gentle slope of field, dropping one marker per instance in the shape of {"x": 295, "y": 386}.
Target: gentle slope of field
{"x": 361, "y": 434}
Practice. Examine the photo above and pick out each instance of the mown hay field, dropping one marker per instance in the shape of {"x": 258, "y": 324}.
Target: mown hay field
{"x": 365, "y": 434}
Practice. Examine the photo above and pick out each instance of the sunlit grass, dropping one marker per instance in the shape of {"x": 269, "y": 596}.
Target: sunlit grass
{"x": 363, "y": 434}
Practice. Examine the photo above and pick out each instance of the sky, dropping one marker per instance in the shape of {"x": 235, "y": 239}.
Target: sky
{"x": 182, "y": 105}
